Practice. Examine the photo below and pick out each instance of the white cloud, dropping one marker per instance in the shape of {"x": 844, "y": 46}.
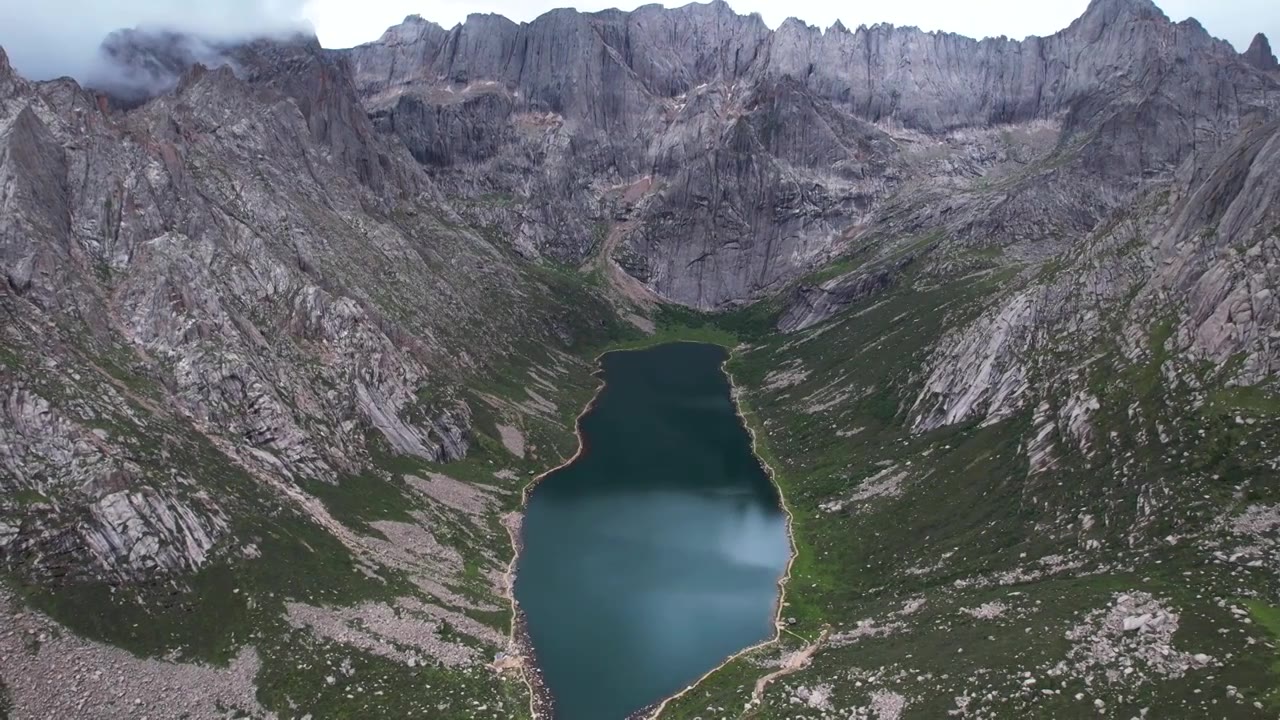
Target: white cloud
{"x": 49, "y": 38}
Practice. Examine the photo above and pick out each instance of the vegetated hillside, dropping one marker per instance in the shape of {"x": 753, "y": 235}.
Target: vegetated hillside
{"x": 243, "y": 333}
{"x": 286, "y": 335}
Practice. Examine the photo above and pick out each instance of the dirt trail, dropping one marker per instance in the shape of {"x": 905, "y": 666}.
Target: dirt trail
{"x": 794, "y": 662}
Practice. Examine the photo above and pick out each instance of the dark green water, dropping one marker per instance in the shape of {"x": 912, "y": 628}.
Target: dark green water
{"x": 656, "y": 554}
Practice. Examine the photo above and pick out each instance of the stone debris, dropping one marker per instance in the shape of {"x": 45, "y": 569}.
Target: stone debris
{"x": 1257, "y": 521}
{"x": 791, "y": 663}
{"x": 404, "y": 632}
{"x": 1259, "y": 527}
{"x": 51, "y": 673}
{"x": 826, "y": 399}
{"x": 817, "y": 697}
{"x": 512, "y": 439}
{"x": 921, "y": 570}
{"x": 440, "y": 592}
{"x": 538, "y": 405}
{"x": 986, "y": 611}
{"x": 783, "y": 378}
{"x": 1128, "y": 642}
{"x": 864, "y": 629}
{"x": 474, "y": 500}
{"x": 644, "y": 324}
{"x": 429, "y": 564}
{"x": 887, "y": 705}
{"x": 912, "y": 606}
{"x": 887, "y": 483}
{"x": 411, "y": 546}
{"x": 1049, "y": 565}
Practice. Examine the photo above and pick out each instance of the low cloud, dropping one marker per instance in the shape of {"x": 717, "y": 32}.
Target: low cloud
{"x": 52, "y": 38}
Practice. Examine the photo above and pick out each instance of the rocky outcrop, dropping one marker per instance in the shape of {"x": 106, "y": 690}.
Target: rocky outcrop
{"x": 1259, "y": 54}
{"x": 809, "y": 306}
{"x": 1200, "y": 257}
{"x": 78, "y": 507}
{"x": 142, "y": 533}
{"x": 1220, "y": 258}
{"x": 981, "y": 371}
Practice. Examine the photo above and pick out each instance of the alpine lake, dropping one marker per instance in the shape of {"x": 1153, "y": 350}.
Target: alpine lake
{"x": 655, "y": 554}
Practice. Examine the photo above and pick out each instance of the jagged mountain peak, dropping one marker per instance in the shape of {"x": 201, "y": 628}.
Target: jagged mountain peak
{"x": 1112, "y": 8}
{"x": 610, "y": 79}
{"x": 7, "y": 72}
{"x": 1103, "y": 14}
{"x": 410, "y": 30}
{"x": 795, "y": 23}
{"x": 487, "y": 22}
{"x": 712, "y": 7}
{"x": 1259, "y": 54}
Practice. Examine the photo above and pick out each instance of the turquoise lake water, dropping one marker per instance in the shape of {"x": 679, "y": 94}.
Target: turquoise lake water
{"x": 656, "y": 553}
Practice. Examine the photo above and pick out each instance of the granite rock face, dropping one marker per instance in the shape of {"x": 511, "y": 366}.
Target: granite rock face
{"x": 1198, "y": 254}
{"x": 243, "y": 262}
{"x": 1259, "y": 54}
{"x": 765, "y": 149}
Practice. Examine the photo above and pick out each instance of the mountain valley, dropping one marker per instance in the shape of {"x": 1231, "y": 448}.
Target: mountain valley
{"x": 288, "y": 331}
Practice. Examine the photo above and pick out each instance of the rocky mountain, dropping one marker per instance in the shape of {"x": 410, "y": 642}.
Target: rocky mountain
{"x": 758, "y": 149}
{"x": 1259, "y": 54}
{"x": 287, "y": 329}
{"x": 234, "y": 315}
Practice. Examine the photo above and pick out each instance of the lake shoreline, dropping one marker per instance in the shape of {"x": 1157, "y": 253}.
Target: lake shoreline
{"x": 542, "y": 701}
{"x": 734, "y": 392}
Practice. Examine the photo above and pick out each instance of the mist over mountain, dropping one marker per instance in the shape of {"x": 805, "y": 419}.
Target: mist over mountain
{"x": 63, "y": 37}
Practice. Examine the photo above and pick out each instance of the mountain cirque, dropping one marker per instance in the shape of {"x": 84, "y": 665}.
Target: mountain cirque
{"x": 251, "y": 303}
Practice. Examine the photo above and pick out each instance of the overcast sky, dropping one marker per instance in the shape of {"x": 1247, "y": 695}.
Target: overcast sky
{"x": 45, "y": 38}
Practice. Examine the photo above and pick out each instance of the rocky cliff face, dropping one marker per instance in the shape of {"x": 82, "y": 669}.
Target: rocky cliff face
{"x": 226, "y": 299}
{"x": 721, "y": 113}
{"x": 1259, "y": 54}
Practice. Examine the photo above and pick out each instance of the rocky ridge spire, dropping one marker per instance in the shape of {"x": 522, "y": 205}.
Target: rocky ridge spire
{"x": 1259, "y": 54}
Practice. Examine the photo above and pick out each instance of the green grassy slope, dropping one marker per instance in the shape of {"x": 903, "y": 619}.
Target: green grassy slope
{"x": 968, "y": 525}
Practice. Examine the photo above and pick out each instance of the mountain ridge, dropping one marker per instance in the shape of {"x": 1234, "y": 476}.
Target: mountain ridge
{"x": 729, "y": 49}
